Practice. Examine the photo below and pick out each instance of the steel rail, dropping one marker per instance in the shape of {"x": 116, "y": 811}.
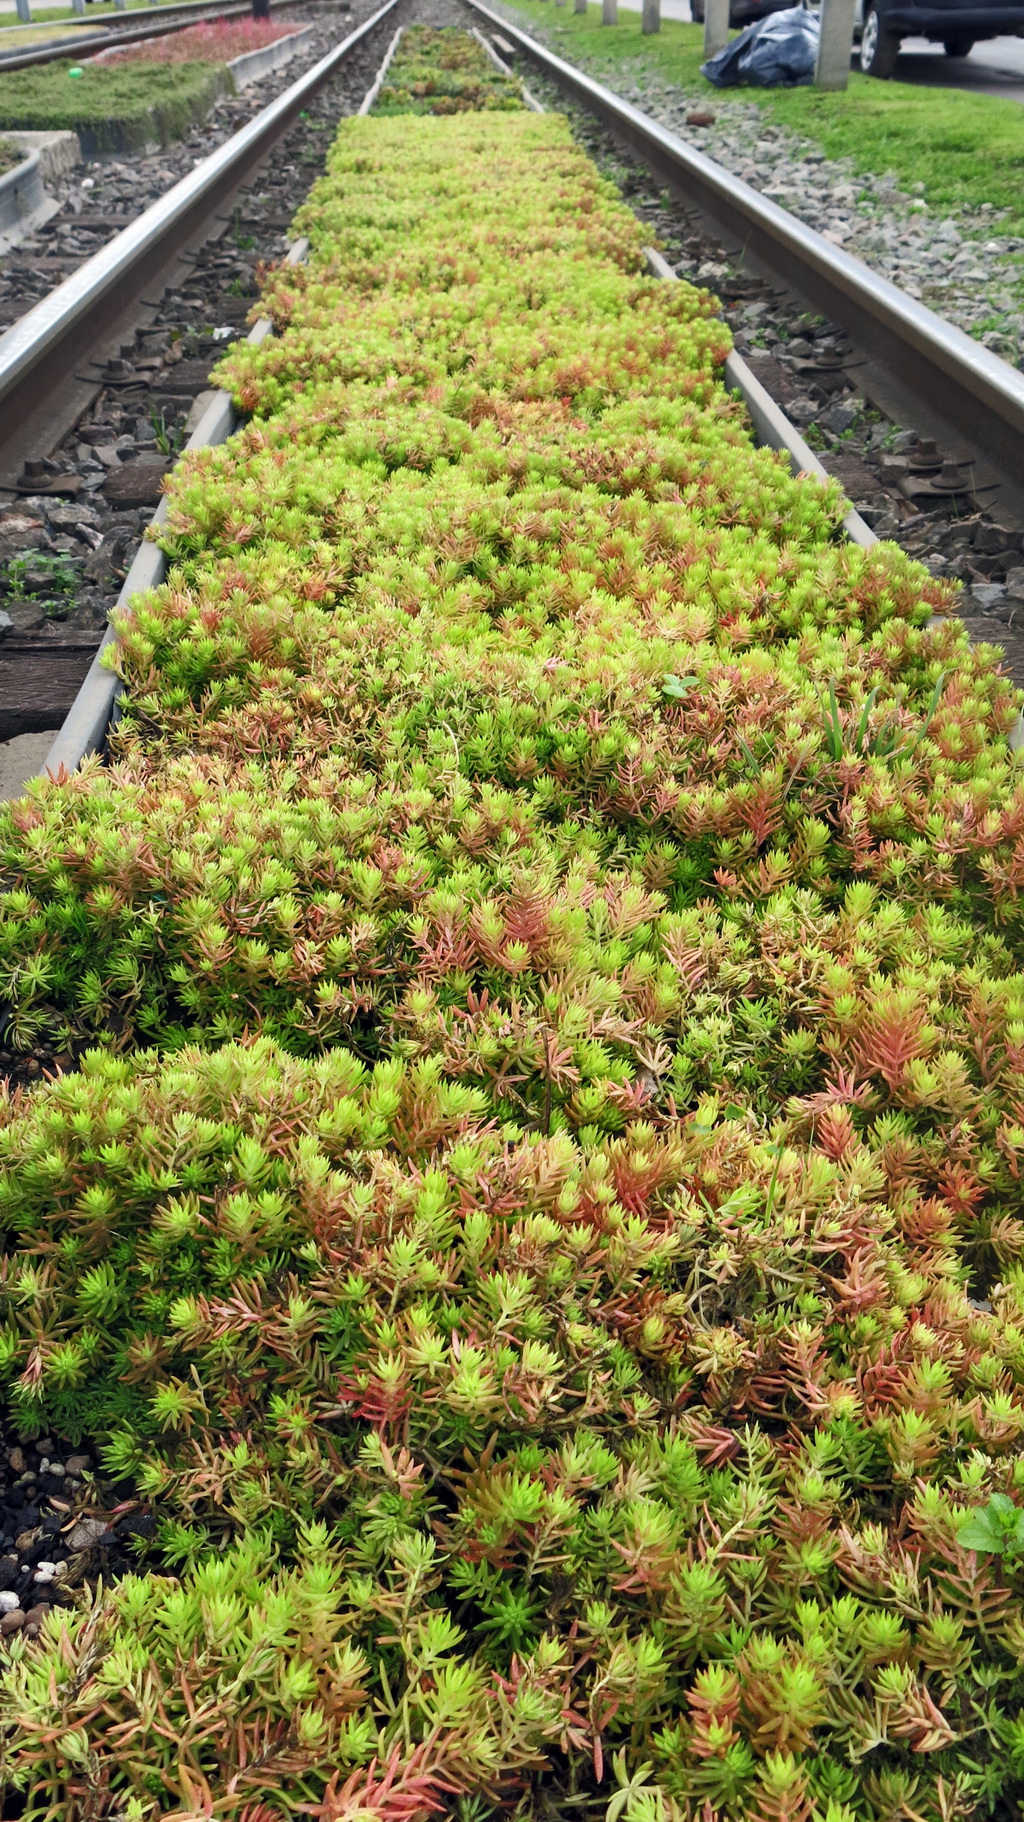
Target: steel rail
{"x": 171, "y": 19}
{"x": 95, "y": 708}
{"x": 84, "y": 728}
{"x": 934, "y": 375}
{"x": 40, "y": 350}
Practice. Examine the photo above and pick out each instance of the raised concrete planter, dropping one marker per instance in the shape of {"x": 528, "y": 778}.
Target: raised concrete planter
{"x": 241, "y": 71}
{"x": 254, "y": 64}
{"x": 24, "y": 204}
{"x": 59, "y": 152}
{"x": 110, "y": 139}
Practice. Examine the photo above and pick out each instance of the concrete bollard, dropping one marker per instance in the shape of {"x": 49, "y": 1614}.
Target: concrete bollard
{"x": 78, "y": 8}
{"x": 580, "y": 6}
{"x": 716, "y": 27}
{"x": 24, "y": 12}
{"x": 832, "y": 68}
{"x": 650, "y": 18}
{"x": 609, "y": 12}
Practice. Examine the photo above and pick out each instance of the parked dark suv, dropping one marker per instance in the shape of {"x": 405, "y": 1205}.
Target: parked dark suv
{"x": 957, "y": 25}
{"x": 743, "y": 12}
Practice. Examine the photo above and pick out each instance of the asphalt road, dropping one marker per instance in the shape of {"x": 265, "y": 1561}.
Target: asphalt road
{"x": 994, "y": 68}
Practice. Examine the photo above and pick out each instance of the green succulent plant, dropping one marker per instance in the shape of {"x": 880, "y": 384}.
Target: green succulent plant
{"x": 534, "y": 1202}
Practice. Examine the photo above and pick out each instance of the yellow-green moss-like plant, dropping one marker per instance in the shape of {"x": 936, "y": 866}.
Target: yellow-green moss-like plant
{"x": 540, "y": 1215}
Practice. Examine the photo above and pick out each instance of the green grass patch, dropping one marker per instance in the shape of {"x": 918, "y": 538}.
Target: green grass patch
{"x": 112, "y": 107}
{"x": 28, "y": 35}
{"x": 10, "y": 155}
{"x": 45, "y": 15}
{"x": 966, "y": 149}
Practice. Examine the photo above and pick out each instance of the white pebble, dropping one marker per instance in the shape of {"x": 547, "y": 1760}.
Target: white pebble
{"x": 45, "y": 1572}
{"x": 8, "y": 1602}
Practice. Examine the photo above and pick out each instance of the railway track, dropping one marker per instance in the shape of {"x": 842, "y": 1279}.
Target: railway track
{"x": 421, "y": 852}
{"x": 85, "y": 319}
{"x": 913, "y": 365}
{"x": 100, "y": 355}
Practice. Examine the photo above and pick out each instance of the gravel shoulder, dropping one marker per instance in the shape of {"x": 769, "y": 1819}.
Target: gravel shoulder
{"x": 969, "y": 271}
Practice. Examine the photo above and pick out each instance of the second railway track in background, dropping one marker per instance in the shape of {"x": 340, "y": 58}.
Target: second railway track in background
{"x": 127, "y": 30}
{"x": 901, "y": 349}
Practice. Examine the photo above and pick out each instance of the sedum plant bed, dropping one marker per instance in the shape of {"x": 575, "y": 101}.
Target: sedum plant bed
{"x": 534, "y": 1202}
{"x": 444, "y": 72}
{"x": 217, "y": 42}
{"x": 112, "y": 108}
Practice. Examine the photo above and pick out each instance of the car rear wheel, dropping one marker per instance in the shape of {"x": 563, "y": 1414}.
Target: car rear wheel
{"x": 879, "y": 46}
{"x": 958, "y": 47}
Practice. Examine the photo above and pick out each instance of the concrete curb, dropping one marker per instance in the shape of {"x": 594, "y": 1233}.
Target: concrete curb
{"x": 246, "y": 68}
{"x": 378, "y": 82}
{"x": 24, "y": 204}
{"x": 535, "y": 106}
{"x": 59, "y": 152}
{"x": 251, "y": 65}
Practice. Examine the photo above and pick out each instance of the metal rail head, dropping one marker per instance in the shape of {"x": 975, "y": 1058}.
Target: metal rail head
{"x": 378, "y": 82}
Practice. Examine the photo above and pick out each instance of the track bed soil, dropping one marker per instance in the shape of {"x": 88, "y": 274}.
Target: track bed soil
{"x": 61, "y": 1527}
